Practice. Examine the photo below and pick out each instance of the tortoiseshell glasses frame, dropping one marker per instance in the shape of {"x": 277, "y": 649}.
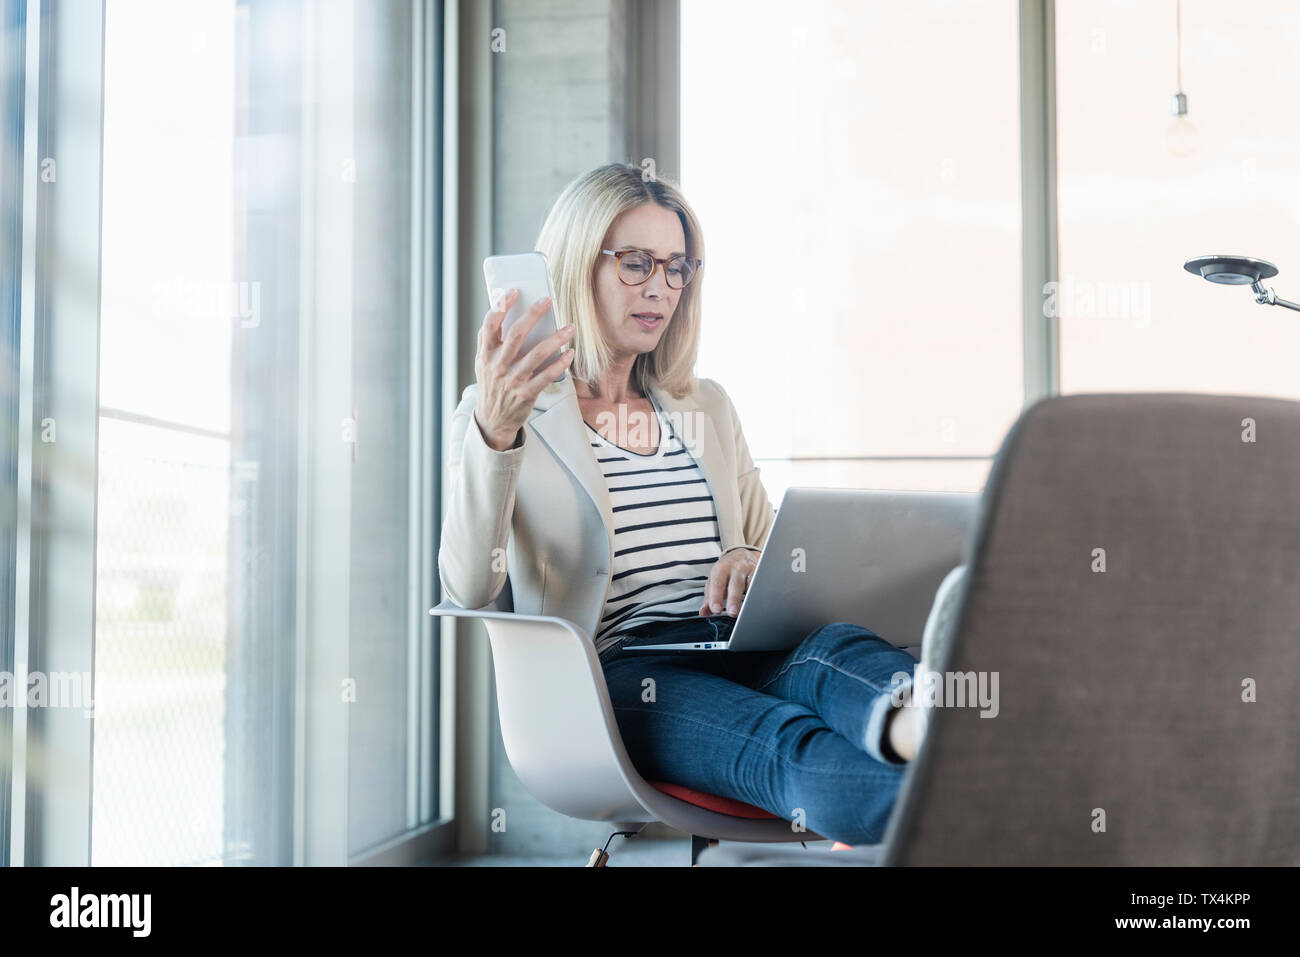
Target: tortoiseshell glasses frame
{"x": 686, "y": 264}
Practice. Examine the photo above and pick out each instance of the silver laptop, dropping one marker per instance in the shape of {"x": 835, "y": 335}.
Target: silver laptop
{"x": 871, "y": 557}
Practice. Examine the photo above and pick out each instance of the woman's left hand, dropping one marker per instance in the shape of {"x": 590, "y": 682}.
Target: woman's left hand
{"x": 728, "y": 581}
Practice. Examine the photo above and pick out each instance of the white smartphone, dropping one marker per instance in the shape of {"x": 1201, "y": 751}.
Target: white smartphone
{"x": 528, "y": 273}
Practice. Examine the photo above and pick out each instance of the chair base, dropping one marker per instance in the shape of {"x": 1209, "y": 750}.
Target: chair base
{"x": 600, "y": 856}
{"x": 698, "y": 845}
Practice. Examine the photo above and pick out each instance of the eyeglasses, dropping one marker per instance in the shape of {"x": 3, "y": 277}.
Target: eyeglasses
{"x": 635, "y": 266}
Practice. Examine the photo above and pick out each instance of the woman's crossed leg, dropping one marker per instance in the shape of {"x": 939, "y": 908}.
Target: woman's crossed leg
{"x": 784, "y": 731}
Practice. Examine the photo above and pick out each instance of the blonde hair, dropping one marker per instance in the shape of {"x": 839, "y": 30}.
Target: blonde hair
{"x": 571, "y": 238}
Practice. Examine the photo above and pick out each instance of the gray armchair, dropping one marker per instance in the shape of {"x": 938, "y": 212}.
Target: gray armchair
{"x": 1146, "y": 713}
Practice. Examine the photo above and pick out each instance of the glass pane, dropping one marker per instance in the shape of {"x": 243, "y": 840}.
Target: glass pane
{"x": 874, "y": 147}
{"x": 1132, "y": 212}
{"x": 164, "y": 523}
{"x": 161, "y": 627}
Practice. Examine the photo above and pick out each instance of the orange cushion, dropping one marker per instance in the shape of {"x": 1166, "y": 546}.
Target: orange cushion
{"x": 712, "y": 802}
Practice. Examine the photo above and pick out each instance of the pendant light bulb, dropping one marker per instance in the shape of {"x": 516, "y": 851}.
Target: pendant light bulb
{"x": 1180, "y": 134}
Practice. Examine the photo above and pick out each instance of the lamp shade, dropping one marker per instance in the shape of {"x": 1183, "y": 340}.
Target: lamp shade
{"x": 1230, "y": 270}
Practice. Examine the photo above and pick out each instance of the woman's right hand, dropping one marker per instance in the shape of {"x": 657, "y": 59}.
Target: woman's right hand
{"x": 507, "y": 389}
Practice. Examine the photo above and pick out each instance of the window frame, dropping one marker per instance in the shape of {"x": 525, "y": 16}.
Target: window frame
{"x": 54, "y": 615}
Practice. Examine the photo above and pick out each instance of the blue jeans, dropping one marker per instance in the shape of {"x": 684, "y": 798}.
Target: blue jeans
{"x": 797, "y": 733}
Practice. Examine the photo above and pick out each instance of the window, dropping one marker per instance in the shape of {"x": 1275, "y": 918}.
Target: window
{"x": 1131, "y": 212}
{"x": 268, "y": 440}
{"x": 856, "y": 169}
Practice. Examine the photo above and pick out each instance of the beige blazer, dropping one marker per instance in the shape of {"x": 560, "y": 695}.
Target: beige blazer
{"x": 540, "y": 512}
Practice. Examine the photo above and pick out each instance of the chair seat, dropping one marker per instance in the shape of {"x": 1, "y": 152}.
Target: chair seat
{"x": 712, "y": 802}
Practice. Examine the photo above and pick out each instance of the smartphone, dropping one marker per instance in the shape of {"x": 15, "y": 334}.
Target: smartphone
{"x": 528, "y": 273}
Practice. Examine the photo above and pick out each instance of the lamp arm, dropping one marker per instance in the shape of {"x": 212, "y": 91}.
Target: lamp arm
{"x": 1268, "y": 297}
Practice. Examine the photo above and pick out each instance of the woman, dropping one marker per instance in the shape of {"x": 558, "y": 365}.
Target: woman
{"x": 623, "y": 497}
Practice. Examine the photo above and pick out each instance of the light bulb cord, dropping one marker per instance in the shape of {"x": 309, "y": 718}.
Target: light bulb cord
{"x": 1178, "y": 35}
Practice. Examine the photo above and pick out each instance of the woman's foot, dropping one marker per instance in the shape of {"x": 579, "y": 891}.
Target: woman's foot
{"x": 903, "y": 730}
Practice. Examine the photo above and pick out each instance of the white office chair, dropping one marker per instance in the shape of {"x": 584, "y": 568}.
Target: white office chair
{"x": 564, "y": 744}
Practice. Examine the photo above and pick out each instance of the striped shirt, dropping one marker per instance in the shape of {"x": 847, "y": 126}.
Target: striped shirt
{"x": 666, "y": 536}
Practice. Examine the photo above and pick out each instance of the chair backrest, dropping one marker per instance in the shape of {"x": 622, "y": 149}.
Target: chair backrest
{"x": 1145, "y": 713}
